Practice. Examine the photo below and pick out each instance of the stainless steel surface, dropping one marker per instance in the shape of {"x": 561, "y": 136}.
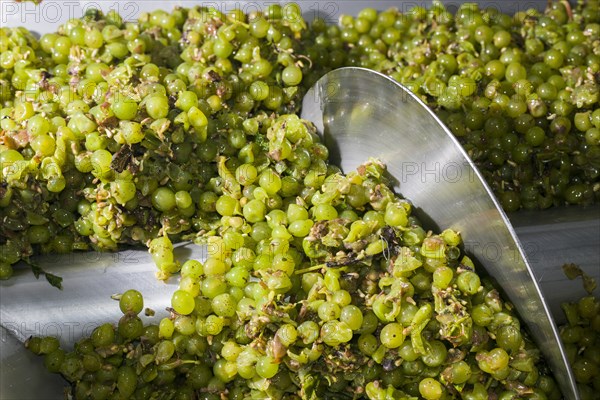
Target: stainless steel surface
{"x": 32, "y": 307}
{"x": 365, "y": 114}
{"x": 555, "y": 237}
{"x": 23, "y": 376}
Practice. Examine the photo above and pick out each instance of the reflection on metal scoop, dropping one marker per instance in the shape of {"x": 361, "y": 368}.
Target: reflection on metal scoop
{"x": 364, "y": 114}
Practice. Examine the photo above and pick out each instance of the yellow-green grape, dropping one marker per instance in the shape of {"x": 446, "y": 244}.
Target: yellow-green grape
{"x": 395, "y": 215}
{"x": 132, "y": 132}
{"x": 161, "y": 249}
{"x": 352, "y": 316}
{"x": 392, "y": 335}
{"x": 163, "y": 199}
{"x": 166, "y": 328}
{"x": 430, "y": 389}
{"x": 324, "y": 212}
{"x": 123, "y": 190}
{"x": 124, "y": 108}
{"x": 334, "y": 333}
{"x": 468, "y": 282}
{"x": 214, "y": 266}
{"x": 213, "y": 286}
{"x": 266, "y": 367}
{"x": 185, "y": 325}
{"x": 224, "y": 305}
{"x": 291, "y": 75}
{"x": 213, "y": 325}
{"x": 192, "y": 269}
{"x": 101, "y": 161}
{"x": 131, "y": 301}
{"x": 6, "y": 271}
{"x": 182, "y": 302}
{"x": 270, "y": 181}
{"x": 225, "y": 370}
{"x": 254, "y": 211}
{"x": 190, "y": 285}
{"x": 287, "y": 335}
{"x": 228, "y": 206}
{"x": 157, "y": 106}
{"x": 442, "y": 277}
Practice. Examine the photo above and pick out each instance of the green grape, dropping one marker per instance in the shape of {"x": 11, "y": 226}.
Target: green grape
{"x": 53, "y": 361}
{"x": 124, "y": 108}
{"x": 323, "y": 212}
{"x": 164, "y": 351}
{"x": 352, "y": 316}
{"x": 184, "y": 325}
{"x": 254, "y": 211}
{"x": 182, "y": 302}
{"x": 131, "y": 301}
{"x": 224, "y": 305}
{"x": 391, "y": 335}
{"x": 6, "y": 271}
{"x": 430, "y": 389}
{"x": 157, "y": 106}
{"x": 291, "y": 75}
{"x": 166, "y": 328}
{"x": 266, "y": 367}
{"x": 103, "y": 335}
{"x": 192, "y": 268}
{"x": 368, "y": 344}
{"x": 164, "y": 199}
{"x": 329, "y": 311}
{"x": 126, "y": 380}
{"x": 468, "y": 282}
{"x": 132, "y": 132}
{"x": 334, "y": 333}
{"x": 130, "y": 327}
{"x": 213, "y": 286}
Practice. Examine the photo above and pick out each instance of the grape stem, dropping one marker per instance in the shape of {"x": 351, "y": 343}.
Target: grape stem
{"x": 310, "y": 269}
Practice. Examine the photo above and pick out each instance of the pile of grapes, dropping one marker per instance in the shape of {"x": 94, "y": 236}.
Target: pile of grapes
{"x": 344, "y": 296}
{"x": 111, "y": 130}
{"x": 520, "y": 93}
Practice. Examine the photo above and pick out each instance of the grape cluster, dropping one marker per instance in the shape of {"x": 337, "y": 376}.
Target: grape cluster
{"x": 111, "y": 130}
{"x": 520, "y": 93}
{"x": 581, "y": 336}
{"x": 338, "y": 292}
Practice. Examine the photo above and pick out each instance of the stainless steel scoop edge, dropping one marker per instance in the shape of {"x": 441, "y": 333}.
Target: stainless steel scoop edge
{"x": 364, "y": 114}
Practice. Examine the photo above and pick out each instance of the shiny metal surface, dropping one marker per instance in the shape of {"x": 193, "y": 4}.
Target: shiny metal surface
{"x": 555, "y": 237}
{"x": 29, "y": 306}
{"x": 365, "y": 114}
{"x": 23, "y": 376}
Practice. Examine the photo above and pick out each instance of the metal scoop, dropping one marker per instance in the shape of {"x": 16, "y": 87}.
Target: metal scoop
{"x": 362, "y": 114}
